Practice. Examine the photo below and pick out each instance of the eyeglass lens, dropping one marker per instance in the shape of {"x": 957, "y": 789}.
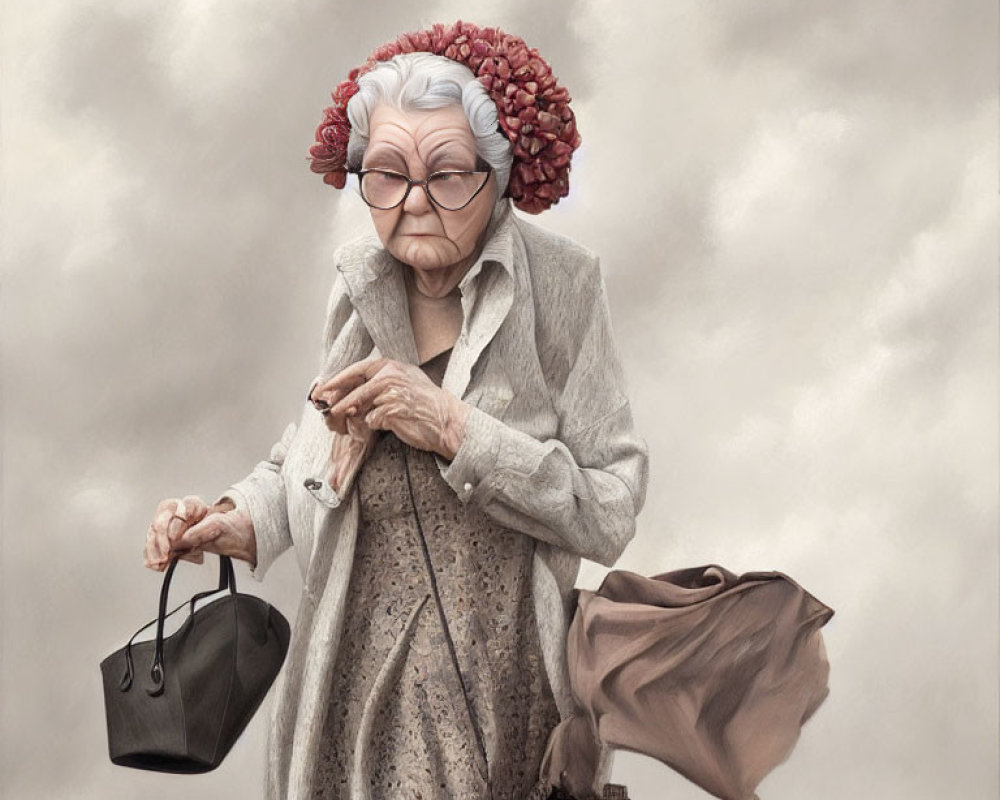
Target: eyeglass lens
{"x": 450, "y": 190}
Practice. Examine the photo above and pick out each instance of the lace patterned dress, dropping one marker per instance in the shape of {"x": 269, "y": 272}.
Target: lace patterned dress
{"x": 439, "y": 688}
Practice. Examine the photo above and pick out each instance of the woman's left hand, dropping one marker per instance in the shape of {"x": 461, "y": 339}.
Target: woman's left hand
{"x": 390, "y": 395}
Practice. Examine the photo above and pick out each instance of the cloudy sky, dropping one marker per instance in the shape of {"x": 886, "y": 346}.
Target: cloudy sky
{"x": 795, "y": 203}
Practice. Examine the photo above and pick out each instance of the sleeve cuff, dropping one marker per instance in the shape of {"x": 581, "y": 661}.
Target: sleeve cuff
{"x": 475, "y": 458}
{"x": 260, "y": 495}
{"x": 488, "y": 448}
{"x": 240, "y": 504}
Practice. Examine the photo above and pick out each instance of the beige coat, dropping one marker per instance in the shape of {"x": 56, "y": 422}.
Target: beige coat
{"x": 549, "y": 450}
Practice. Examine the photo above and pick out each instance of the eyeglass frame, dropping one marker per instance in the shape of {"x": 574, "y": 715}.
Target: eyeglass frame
{"x": 411, "y": 183}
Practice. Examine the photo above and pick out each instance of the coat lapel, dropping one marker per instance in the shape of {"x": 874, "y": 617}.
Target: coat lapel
{"x": 378, "y": 293}
{"x": 375, "y": 285}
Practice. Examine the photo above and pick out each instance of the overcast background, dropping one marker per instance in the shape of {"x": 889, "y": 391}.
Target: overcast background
{"x": 795, "y": 203}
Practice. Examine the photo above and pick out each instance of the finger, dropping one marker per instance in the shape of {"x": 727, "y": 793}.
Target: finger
{"x": 177, "y": 524}
{"x": 164, "y": 513}
{"x": 375, "y": 419}
{"x": 197, "y": 536}
{"x": 188, "y": 511}
{"x": 394, "y": 396}
{"x": 324, "y": 398}
{"x": 195, "y": 557}
{"x": 348, "y": 451}
{"x": 346, "y": 418}
{"x": 195, "y": 509}
{"x": 381, "y": 416}
{"x": 227, "y": 534}
{"x": 151, "y": 555}
{"x": 161, "y": 525}
{"x": 360, "y": 401}
{"x": 345, "y": 468}
{"x": 168, "y": 504}
{"x": 349, "y": 378}
{"x": 172, "y": 516}
{"x": 321, "y": 399}
{"x": 358, "y": 431}
{"x": 335, "y": 422}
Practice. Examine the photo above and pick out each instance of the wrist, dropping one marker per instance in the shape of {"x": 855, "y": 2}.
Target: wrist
{"x": 454, "y": 429}
{"x": 251, "y": 553}
{"x": 221, "y": 507}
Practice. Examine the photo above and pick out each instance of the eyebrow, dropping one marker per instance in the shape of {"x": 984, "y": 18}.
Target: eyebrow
{"x": 384, "y": 150}
{"x": 445, "y": 151}
{"x": 387, "y": 155}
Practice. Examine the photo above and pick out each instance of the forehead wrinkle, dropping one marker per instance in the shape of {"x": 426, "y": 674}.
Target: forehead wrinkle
{"x": 391, "y": 134}
{"x": 376, "y": 149}
{"x": 447, "y": 148}
{"x": 418, "y": 135}
{"x": 458, "y": 135}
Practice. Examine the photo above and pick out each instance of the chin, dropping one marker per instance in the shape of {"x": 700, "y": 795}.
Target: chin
{"x": 424, "y": 257}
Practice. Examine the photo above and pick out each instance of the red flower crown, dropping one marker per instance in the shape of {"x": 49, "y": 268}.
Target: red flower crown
{"x": 532, "y": 107}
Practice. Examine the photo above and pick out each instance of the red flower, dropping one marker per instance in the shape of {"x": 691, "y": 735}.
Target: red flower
{"x": 532, "y": 107}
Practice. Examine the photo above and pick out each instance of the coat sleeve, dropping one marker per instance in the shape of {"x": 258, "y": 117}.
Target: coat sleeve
{"x": 262, "y": 492}
{"x": 582, "y": 489}
{"x": 262, "y": 495}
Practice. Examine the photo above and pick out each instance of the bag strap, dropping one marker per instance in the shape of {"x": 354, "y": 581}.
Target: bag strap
{"x": 480, "y": 741}
{"x": 227, "y": 580}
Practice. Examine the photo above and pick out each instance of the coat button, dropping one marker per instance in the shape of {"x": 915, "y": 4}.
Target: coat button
{"x": 467, "y": 487}
{"x": 322, "y": 491}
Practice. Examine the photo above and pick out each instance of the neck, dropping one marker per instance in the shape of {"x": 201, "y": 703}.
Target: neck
{"x": 438, "y": 283}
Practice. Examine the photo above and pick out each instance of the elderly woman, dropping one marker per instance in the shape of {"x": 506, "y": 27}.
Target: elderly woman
{"x": 467, "y": 442}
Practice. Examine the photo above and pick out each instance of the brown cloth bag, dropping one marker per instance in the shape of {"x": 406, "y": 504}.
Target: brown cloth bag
{"x": 709, "y": 672}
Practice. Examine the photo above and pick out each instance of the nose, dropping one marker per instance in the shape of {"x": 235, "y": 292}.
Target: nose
{"x": 417, "y": 201}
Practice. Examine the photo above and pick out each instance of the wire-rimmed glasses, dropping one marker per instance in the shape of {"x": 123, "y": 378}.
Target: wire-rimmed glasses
{"x": 450, "y": 189}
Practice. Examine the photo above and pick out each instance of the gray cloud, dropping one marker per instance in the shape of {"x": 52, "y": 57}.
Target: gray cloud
{"x": 795, "y": 207}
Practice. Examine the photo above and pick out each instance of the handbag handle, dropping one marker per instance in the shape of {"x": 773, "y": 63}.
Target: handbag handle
{"x": 227, "y": 580}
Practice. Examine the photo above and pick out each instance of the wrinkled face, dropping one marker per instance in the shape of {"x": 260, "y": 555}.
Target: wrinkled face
{"x": 418, "y": 143}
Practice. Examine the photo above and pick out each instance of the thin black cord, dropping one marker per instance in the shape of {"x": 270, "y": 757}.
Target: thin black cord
{"x": 444, "y": 620}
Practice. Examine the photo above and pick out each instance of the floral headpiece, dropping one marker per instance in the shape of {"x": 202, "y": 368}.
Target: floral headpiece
{"x": 532, "y": 107}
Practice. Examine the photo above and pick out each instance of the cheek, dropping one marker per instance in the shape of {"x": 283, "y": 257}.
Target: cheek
{"x": 385, "y": 223}
{"x": 464, "y": 232}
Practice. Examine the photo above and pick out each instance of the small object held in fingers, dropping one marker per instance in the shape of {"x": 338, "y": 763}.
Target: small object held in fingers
{"x": 318, "y": 404}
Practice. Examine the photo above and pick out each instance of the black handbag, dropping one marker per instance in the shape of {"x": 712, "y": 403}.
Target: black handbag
{"x": 195, "y": 690}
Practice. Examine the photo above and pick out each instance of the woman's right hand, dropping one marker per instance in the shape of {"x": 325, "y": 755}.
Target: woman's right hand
{"x": 188, "y": 528}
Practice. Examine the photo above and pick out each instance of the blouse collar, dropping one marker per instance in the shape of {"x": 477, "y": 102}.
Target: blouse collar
{"x": 362, "y": 265}
{"x": 376, "y": 288}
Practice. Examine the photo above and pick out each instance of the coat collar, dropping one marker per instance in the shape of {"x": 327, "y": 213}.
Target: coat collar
{"x": 375, "y": 286}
